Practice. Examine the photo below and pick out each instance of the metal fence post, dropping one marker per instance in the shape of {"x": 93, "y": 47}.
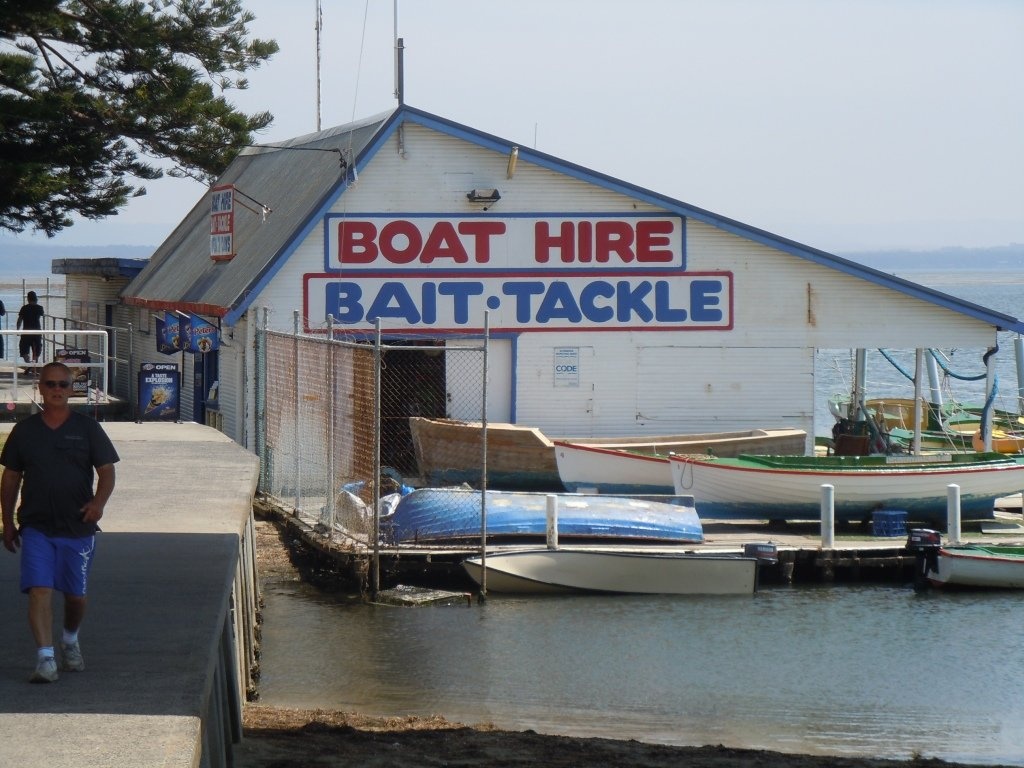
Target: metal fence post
{"x": 331, "y": 472}
{"x": 375, "y": 589}
{"x": 297, "y": 465}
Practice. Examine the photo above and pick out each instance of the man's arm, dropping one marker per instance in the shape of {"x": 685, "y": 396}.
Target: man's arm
{"x": 92, "y": 510}
{"x": 10, "y": 484}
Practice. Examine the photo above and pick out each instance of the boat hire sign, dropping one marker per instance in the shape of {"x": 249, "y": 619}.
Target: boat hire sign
{"x": 530, "y": 272}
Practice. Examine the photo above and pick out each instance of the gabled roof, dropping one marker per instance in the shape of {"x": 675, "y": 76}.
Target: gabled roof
{"x": 301, "y": 179}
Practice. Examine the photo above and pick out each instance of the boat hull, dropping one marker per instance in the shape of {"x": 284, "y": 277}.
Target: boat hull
{"x": 971, "y": 566}
{"x": 566, "y": 571}
{"x": 440, "y": 515}
{"x": 638, "y": 467}
{"x": 787, "y": 488}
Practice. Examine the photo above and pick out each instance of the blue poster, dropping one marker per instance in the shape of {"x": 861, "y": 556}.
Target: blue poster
{"x": 159, "y": 392}
{"x": 168, "y": 334}
{"x": 198, "y": 335}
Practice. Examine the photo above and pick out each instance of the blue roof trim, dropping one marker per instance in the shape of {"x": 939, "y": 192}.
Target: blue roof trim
{"x": 405, "y": 113}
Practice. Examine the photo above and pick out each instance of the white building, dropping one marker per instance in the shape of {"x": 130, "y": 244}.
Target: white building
{"x": 612, "y": 309}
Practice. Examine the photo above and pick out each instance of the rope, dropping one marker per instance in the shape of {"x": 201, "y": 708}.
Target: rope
{"x": 948, "y": 372}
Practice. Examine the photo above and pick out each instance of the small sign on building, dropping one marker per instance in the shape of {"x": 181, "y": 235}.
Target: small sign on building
{"x": 159, "y": 392}
{"x": 73, "y": 358}
{"x": 222, "y": 223}
{"x": 567, "y": 366}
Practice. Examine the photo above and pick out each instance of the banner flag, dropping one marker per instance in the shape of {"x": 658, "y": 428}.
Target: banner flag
{"x": 199, "y": 335}
{"x": 168, "y": 334}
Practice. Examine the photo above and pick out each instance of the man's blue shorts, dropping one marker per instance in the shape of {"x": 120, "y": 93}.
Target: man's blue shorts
{"x": 55, "y": 562}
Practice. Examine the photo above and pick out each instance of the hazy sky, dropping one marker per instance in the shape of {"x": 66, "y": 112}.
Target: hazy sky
{"x": 843, "y": 124}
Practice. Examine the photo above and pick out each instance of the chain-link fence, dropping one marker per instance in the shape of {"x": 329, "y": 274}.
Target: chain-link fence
{"x": 334, "y": 425}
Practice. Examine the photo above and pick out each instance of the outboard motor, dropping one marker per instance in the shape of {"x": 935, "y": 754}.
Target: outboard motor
{"x": 925, "y": 544}
{"x": 766, "y": 554}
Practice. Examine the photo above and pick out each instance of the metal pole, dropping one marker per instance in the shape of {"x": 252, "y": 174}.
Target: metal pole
{"x": 331, "y": 473}
{"x": 918, "y": 369}
{"x": 260, "y": 366}
{"x": 375, "y": 589}
{"x": 483, "y": 464}
{"x": 1018, "y": 353}
{"x": 297, "y": 465}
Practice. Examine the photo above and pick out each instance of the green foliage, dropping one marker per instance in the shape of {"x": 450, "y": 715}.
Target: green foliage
{"x": 93, "y": 92}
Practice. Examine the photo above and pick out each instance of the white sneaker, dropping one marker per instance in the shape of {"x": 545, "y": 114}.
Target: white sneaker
{"x": 71, "y": 657}
{"x": 46, "y": 671}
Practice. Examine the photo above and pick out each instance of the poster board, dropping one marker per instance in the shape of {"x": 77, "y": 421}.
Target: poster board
{"x": 159, "y": 392}
{"x": 79, "y": 373}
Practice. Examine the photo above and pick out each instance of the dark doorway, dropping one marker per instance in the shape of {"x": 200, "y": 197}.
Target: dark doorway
{"x": 412, "y": 384}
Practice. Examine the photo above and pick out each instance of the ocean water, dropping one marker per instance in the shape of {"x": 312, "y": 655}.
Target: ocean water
{"x": 877, "y": 671}
{"x": 855, "y": 670}
{"x": 1000, "y": 291}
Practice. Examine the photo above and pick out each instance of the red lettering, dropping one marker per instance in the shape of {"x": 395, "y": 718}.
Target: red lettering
{"x": 396, "y": 254}
{"x": 586, "y": 241}
{"x": 543, "y": 242}
{"x": 652, "y": 239}
{"x": 355, "y": 242}
{"x": 481, "y": 232}
{"x": 613, "y": 237}
{"x": 443, "y": 243}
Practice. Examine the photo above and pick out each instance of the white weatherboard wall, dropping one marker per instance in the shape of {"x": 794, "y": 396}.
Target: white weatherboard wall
{"x": 757, "y": 373}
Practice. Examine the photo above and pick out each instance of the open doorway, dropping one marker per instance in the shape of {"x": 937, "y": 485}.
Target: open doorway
{"x": 412, "y": 384}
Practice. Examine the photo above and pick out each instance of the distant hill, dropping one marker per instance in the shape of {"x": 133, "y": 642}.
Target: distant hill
{"x": 24, "y": 260}
{"x": 1003, "y": 257}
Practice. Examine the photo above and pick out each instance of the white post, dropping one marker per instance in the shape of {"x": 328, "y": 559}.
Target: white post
{"x": 552, "y": 530}
{"x": 828, "y": 516}
{"x": 918, "y": 365}
{"x": 953, "y": 513}
{"x": 1018, "y": 353}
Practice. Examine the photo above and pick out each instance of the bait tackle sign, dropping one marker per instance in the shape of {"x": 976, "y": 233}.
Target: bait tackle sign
{"x": 532, "y": 272}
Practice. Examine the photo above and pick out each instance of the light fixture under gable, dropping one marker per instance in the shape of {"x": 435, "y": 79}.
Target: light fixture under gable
{"x": 483, "y": 196}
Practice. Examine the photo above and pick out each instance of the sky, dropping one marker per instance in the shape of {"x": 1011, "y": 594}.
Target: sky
{"x": 846, "y": 125}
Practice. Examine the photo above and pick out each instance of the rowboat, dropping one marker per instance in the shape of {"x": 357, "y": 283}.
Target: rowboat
{"x": 643, "y": 468}
{"x": 450, "y": 452}
{"x": 967, "y": 565}
{"x": 555, "y": 571}
{"x": 790, "y": 487}
{"x": 452, "y": 515}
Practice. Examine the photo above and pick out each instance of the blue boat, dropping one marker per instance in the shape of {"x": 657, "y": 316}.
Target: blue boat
{"x": 452, "y": 515}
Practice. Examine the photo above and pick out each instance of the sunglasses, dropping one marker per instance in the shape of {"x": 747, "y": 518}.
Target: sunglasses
{"x": 54, "y": 384}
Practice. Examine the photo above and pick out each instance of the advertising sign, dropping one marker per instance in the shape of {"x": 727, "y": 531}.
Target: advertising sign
{"x": 567, "y": 366}
{"x": 423, "y": 273}
{"x": 198, "y": 335}
{"x": 79, "y": 374}
{"x": 159, "y": 392}
{"x": 222, "y": 222}
{"x": 168, "y": 333}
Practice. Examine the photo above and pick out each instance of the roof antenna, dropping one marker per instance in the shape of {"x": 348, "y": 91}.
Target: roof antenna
{"x": 319, "y": 28}
{"x": 399, "y": 60}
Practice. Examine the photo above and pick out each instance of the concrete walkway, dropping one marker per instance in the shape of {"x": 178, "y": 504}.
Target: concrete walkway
{"x": 160, "y": 589}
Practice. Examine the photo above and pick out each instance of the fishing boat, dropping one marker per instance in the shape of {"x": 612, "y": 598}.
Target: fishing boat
{"x": 557, "y": 571}
{"x": 449, "y": 452}
{"x": 454, "y": 515}
{"x": 790, "y": 487}
{"x": 966, "y": 565}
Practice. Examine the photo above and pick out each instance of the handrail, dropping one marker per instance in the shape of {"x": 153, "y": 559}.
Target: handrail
{"x": 16, "y": 364}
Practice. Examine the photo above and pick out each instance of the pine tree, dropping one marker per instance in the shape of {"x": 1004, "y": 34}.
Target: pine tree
{"x": 95, "y": 93}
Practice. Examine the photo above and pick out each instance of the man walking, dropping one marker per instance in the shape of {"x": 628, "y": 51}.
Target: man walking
{"x": 50, "y": 457}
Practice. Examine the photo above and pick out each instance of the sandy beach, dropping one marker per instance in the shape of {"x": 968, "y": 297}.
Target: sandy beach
{"x": 295, "y": 738}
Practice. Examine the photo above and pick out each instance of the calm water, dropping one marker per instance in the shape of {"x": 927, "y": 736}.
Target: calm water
{"x": 872, "y": 670}
{"x": 847, "y": 670}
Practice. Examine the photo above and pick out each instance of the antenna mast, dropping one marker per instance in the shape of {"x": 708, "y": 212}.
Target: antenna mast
{"x": 399, "y": 59}
{"x": 319, "y": 27}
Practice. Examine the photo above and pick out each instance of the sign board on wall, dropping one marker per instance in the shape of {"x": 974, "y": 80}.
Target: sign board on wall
{"x": 531, "y": 272}
{"x": 159, "y": 392}
{"x": 567, "y": 367}
{"x": 79, "y": 373}
{"x": 222, "y": 222}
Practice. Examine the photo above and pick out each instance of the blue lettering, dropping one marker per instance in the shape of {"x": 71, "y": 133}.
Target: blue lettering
{"x": 343, "y": 302}
{"x": 522, "y": 293}
{"x": 705, "y": 294}
{"x": 558, "y": 303}
{"x": 403, "y": 308}
{"x": 663, "y": 310}
{"x": 630, "y": 300}
{"x": 461, "y": 292}
{"x": 588, "y": 296}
